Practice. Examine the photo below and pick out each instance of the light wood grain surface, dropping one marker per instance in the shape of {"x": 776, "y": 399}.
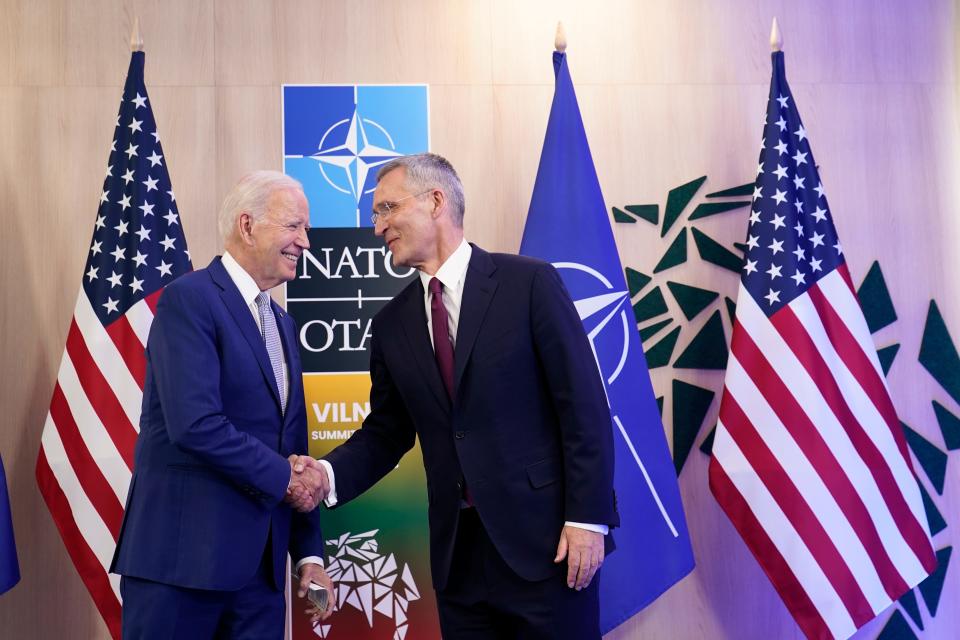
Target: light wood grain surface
{"x": 669, "y": 91}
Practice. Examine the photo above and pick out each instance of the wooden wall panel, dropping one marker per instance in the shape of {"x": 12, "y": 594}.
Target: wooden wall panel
{"x": 669, "y": 91}
{"x": 321, "y": 39}
{"x": 96, "y": 38}
{"x": 517, "y": 139}
{"x": 181, "y": 49}
{"x": 44, "y": 245}
{"x": 247, "y": 42}
{"x": 243, "y": 146}
{"x": 435, "y": 41}
{"x": 33, "y": 33}
{"x": 458, "y": 139}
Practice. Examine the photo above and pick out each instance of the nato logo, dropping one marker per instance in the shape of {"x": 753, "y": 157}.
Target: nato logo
{"x": 604, "y": 308}
{"x": 335, "y": 137}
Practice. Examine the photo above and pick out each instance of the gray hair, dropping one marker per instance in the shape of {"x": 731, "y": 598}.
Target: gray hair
{"x": 427, "y": 170}
{"x": 250, "y": 195}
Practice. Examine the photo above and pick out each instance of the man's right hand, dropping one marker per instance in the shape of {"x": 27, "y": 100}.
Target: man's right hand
{"x": 309, "y": 483}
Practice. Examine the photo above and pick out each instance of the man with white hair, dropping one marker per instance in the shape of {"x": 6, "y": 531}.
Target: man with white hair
{"x": 214, "y": 504}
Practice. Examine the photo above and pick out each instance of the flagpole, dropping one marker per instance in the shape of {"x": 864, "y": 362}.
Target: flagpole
{"x": 560, "y": 40}
{"x": 776, "y": 38}
{"x": 136, "y": 41}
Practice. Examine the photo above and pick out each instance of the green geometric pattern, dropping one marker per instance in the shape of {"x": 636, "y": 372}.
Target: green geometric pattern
{"x": 949, "y": 426}
{"x": 690, "y": 405}
{"x": 707, "y": 445}
{"x": 715, "y": 253}
{"x": 692, "y": 300}
{"x": 648, "y": 212}
{"x": 659, "y": 354}
{"x": 708, "y": 349}
{"x": 897, "y": 628}
{"x": 677, "y": 199}
{"x": 676, "y": 254}
{"x": 731, "y": 308}
{"x": 938, "y": 353}
{"x": 933, "y": 461}
{"x": 909, "y": 603}
{"x": 934, "y": 517}
{"x": 875, "y": 300}
{"x": 932, "y": 586}
{"x": 742, "y": 190}
{"x": 886, "y": 356}
{"x": 636, "y": 280}
{"x": 650, "y": 306}
{"x": 650, "y": 331}
{"x": 707, "y": 209}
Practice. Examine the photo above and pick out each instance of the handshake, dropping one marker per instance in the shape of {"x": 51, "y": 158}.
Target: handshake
{"x": 309, "y": 484}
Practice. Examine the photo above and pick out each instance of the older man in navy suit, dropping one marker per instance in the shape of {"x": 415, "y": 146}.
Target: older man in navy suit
{"x": 484, "y": 358}
{"x": 214, "y": 504}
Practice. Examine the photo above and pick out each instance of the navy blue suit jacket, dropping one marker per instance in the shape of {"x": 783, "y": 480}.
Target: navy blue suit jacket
{"x": 210, "y": 469}
{"x": 529, "y": 429}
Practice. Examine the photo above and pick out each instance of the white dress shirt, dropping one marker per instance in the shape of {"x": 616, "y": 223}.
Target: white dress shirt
{"x": 452, "y": 274}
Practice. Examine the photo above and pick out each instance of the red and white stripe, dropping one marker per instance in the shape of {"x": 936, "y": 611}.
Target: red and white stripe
{"x": 86, "y": 452}
{"x": 811, "y": 465}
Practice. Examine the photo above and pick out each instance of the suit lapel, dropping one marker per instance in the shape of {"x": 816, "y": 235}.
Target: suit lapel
{"x": 288, "y": 338}
{"x": 478, "y": 291}
{"x": 414, "y": 322}
{"x": 244, "y": 318}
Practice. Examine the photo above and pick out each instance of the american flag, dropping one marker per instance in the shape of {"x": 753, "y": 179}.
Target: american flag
{"x": 809, "y": 460}
{"x": 138, "y": 247}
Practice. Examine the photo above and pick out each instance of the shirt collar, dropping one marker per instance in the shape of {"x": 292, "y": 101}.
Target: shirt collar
{"x": 244, "y": 281}
{"x": 453, "y": 271}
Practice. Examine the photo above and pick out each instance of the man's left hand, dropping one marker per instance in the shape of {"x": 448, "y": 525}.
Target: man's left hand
{"x": 584, "y": 552}
{"x": 311, "y": 572}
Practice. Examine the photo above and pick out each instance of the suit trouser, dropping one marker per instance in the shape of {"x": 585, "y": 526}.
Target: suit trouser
{"x": 485, "y": 599}
{"x": 158, "y": 611}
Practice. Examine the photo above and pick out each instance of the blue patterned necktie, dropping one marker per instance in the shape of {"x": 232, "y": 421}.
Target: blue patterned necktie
{"x": 271, "y": 338}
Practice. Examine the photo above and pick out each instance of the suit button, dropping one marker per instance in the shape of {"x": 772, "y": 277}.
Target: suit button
{"x": 459, "y": 435}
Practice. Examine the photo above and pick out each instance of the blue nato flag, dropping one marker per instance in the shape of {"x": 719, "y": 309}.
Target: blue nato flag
{"x": 568, "y": 226}
{"x": 9, "y": 567}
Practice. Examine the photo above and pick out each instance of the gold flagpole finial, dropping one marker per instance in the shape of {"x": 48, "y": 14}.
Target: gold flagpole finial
{"x": 560, "y": 41}
{"x": 776, "y": 38}
{"x": 136, "y": 41}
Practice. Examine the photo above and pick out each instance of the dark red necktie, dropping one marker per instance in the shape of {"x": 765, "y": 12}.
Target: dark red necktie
{"x": 443, "y": 351}
{"x": 442, "y": 346}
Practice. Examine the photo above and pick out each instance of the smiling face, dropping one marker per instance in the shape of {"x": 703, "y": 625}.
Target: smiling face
{"x": 272, "y": 245}
{"x": 410, "y": 229}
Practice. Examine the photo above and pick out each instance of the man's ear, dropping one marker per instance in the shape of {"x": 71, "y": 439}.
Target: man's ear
{"x": 245, "y": 226}
{"x": 439, "y": 199}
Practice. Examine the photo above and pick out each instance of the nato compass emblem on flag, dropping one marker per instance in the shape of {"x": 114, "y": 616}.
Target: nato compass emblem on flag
{"x": 335, "y": 138}
{"x": 603, "y": 310}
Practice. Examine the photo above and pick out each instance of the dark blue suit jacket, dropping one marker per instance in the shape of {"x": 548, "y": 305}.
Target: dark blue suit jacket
{"x": 210, "y": 470}
{"x": 529, "y": 429}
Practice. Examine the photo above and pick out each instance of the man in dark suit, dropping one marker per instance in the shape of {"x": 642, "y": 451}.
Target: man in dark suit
{"x": 485, "y": 359}
{"x": 210, "y": 513}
